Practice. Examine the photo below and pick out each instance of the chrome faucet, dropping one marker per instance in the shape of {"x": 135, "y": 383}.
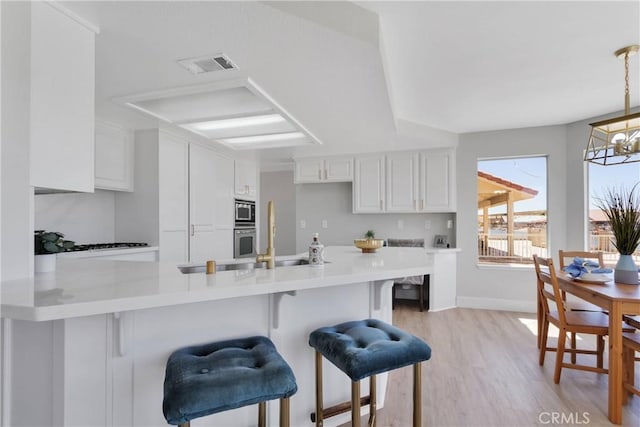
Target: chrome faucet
{"x": 270, "y": 256}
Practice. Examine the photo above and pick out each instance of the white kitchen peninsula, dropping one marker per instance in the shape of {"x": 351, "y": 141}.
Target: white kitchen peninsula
{"x": 94, "y": 347}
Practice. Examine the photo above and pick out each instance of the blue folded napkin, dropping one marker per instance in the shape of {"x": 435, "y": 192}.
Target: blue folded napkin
{"x": 579, "y": 266}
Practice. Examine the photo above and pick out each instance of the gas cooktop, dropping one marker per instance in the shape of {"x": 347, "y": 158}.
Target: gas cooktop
{"x": 98, "y": 246}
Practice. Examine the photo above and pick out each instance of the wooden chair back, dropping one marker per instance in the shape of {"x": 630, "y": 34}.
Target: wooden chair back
{"x": 566, "y": 257}
{"x": 548, "y": 287}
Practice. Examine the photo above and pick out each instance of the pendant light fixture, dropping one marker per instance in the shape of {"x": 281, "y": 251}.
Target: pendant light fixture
{"x": 617, "y": 140}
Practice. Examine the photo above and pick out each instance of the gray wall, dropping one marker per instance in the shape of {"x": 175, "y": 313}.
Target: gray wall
{"x": 333, "y": 202}
{"x": 510, "y": 288}
{"x": 278, "y": 186}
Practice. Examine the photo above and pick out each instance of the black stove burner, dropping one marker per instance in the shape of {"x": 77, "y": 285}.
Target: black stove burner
{"x": 118, "y": 245}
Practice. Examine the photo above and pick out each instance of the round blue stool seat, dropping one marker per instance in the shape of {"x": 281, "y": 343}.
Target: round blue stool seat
{"x": 367, "y": 347}
{"x": 206, "y": 379}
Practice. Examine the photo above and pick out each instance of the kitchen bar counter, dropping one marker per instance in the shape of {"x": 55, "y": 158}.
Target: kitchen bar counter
{"x": 88, "y": 287}
{"x": 104, "y": 329}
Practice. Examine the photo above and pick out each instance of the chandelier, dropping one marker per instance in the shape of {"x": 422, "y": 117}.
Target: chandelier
{"x": 617, "y": 140}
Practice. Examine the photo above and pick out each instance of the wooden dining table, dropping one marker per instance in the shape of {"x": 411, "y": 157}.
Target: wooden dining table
{"x": 617, "y": 299}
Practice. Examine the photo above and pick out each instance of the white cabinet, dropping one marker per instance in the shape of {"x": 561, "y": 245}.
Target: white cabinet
{"x": 61, "y": 101}
{"x": 202, "y": 203}
{"x": 183, "y": 200}
{"x": 113, "y": 157}
{"x": 173, "y": 198}
{"x": 405, "y": 182}
{"x": 402, "y": 182}
{"x": 246, "y": 180}
{"x": 339, "y": 169}
{"x": 437, "y": 181}
{"x": 369, "y": 185}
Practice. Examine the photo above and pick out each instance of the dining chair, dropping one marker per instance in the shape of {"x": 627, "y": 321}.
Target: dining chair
{"x": 630, "y": 345}
{"x": 576, "y": 304}
{"x": 583, "y": 322}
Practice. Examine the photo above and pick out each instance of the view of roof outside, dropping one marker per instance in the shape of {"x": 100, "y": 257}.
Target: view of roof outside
{"x": 506, "y": 239}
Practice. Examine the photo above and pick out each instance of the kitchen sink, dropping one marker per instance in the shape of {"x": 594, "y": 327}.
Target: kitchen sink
{"x": 201, "y": 268}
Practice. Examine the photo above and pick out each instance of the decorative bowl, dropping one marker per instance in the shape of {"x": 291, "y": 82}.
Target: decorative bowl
{"x": 368, "y": 245}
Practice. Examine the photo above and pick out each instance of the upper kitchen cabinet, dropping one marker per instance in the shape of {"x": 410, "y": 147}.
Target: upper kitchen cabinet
{"x": 246, "y": 179}
{"x": 402, "y": 182}
{"x": 405, "y": 182}
{"x": 113, "y": 157}
{"x": 369, "y": 184}
{"x": 61, "y": 100}
{"x": 437, "y": 181}
{"x": 338, "y": 169}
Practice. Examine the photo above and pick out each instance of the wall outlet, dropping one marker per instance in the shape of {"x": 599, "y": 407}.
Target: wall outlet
{"x": 324, "y": 224}
{"x": 303, "y": 223}
{"x": 450, "y": 223}
{"x": 400, "y": 224}
{"x": 427, "y": 224}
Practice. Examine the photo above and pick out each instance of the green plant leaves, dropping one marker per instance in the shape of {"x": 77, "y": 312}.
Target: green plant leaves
{"x": 621, "y": 207}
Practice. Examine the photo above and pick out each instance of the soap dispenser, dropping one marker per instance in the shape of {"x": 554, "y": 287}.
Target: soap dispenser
{"x": 316, "y": 252}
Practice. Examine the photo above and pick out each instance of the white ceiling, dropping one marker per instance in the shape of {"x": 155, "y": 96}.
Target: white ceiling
{"x": 378, "y": 75}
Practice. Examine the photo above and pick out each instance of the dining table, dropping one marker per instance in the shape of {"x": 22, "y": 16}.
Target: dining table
{"x": 617, "y": 299}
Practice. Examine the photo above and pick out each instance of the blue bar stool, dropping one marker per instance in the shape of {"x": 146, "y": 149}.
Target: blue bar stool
{"x": 206, "y": 379}
{"x": 363, "y": 349}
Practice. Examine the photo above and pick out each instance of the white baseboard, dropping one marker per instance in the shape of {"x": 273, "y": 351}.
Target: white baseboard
{"x": 497, "y": 304}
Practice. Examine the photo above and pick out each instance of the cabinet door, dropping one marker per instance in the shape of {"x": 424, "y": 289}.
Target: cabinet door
{"x": 437, "y": 186}
{"x": 224, "y": 195}
{"x": 368, "y": 185}
{"x": 336, "y": 170}
{"x": 245, "y": 179}
{"x": 173, "y": 199}
{"x": 62, "y": 101}
{"x": 308, "y": 170}
{"x": 202, "y": 203}
{"x": 113, "y": 158}
{"x": 402, "y": 182}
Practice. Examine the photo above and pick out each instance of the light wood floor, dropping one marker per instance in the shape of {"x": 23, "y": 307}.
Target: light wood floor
{"x": 484, "y": 372}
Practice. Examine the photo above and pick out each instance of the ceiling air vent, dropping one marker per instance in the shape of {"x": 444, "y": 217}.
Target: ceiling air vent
{"x": 207, "y": 64}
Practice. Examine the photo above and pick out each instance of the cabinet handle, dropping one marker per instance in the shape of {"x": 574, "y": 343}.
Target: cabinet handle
{"x": 319, "y": 173}
{"x": 193, "y": 230}
{"x": 325, "y": 174}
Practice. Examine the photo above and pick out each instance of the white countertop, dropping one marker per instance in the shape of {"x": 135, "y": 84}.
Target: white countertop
{"x": 87, "y": 287}
{"x": 106, "y": 252}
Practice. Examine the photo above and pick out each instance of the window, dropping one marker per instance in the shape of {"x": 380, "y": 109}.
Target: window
{"x": 602, "y": 178}
{"x": 512, "y": 210}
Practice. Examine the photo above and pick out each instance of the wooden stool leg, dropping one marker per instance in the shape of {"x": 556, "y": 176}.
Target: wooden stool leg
{"x": 355, "y": 403}
{"x": 373, "y": 406}
{"x": 574, "y": 346}
{"x": 421, "y": 296}
{"x": 284, "y": 412}
{"x": 262, "y": 414}
{"x": 417, "y": 394}
{"x": 319, "y": 389}
{"x": 600, "y": 351}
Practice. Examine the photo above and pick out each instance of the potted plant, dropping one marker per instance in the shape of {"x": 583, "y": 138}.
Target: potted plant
{"x": 621, "y": 207}
{"x": 46, "y": 245}
{"x": 370, "y": 234}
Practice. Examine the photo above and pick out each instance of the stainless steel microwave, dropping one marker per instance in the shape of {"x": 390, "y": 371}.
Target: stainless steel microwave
{"x": 245, "y": 213}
